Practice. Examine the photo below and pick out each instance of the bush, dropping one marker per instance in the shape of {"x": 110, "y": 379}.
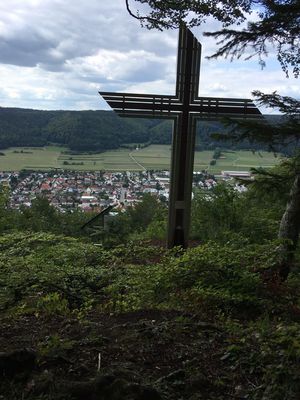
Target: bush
{"x": 267, "y": 353}
{"x": 44, "y": 272}
{"x": 210, "y": 278}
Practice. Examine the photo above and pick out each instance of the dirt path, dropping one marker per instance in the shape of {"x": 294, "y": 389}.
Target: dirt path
{"x": 134, "y": 160}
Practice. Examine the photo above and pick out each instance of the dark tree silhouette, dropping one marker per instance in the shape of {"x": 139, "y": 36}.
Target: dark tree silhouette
{"x": 268, "y": 22}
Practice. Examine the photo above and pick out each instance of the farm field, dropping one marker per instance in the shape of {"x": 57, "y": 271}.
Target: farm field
{"x": 36, "y": 158}
{"x": 152, "y": 157}
{"x": 242, "y": 160}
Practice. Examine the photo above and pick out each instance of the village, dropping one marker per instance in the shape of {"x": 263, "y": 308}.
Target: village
{"x": 91, "y": 191}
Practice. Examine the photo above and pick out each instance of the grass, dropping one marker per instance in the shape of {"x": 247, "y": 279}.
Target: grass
{"x": 243, "y": 160}
{"x": 17, "y": 158}
{"x": 152, "y": 157}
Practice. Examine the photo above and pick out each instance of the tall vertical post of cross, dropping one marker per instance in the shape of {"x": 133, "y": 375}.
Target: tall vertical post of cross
{"x": 184, "y": 109}
{"x": 182, "y": 158}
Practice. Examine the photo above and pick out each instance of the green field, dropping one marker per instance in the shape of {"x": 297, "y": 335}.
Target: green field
{"x": 152, "y": 157}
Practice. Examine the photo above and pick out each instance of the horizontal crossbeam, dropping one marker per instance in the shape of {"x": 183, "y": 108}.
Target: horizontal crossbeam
{"x": 126, "y": 104}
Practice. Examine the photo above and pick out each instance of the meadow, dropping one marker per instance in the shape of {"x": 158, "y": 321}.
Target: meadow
{"x": 152, "y": 157}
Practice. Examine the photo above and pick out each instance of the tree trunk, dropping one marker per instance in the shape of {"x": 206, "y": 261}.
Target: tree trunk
{"x": 289, "y": 229}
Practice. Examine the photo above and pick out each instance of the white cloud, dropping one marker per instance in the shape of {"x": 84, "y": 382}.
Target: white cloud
{"x": 115, "y": 65}
{"x": 56, "y": 54}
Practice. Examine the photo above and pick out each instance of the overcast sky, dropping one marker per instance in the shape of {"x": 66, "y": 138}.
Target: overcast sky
{"x": 57, "y": 54}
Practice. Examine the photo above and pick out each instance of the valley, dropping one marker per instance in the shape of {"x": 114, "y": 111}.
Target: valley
{"x": 153, "y": 157}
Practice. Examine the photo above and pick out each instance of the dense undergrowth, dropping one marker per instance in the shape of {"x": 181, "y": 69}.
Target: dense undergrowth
{"x": 211, "y": 322}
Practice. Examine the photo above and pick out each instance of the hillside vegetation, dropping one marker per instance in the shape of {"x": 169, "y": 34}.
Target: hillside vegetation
{"x": 117, "y": 316}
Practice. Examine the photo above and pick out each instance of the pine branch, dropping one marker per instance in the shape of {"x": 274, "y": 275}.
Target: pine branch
{"x": 279, "y": 26}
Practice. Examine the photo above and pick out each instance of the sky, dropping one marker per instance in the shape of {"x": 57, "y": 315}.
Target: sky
{"x": 57, "y": 54}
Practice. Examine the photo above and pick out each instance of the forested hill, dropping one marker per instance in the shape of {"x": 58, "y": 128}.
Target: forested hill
{"x": 79, "y": 130}
{"x": 92, "y": 130}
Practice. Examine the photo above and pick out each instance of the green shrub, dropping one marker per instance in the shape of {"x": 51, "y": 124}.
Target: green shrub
{"x": 209, "y": 278}
{"x": 52, "y": 304}
{"x": 34, "y": 266}
{"x": 268, "y": 355}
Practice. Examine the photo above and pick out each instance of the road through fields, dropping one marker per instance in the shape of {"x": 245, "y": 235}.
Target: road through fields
{"x": 134, "y": 159}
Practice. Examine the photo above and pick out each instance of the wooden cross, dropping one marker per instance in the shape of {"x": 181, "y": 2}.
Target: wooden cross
{"x": 184, "y": 108}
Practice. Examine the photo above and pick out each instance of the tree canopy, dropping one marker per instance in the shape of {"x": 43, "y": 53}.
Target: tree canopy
{"x": 250, "y": 25}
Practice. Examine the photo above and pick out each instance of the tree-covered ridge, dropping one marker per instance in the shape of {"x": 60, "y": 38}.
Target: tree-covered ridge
{"x": 99, "y": 130}
{"x": 79, "y": 130}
